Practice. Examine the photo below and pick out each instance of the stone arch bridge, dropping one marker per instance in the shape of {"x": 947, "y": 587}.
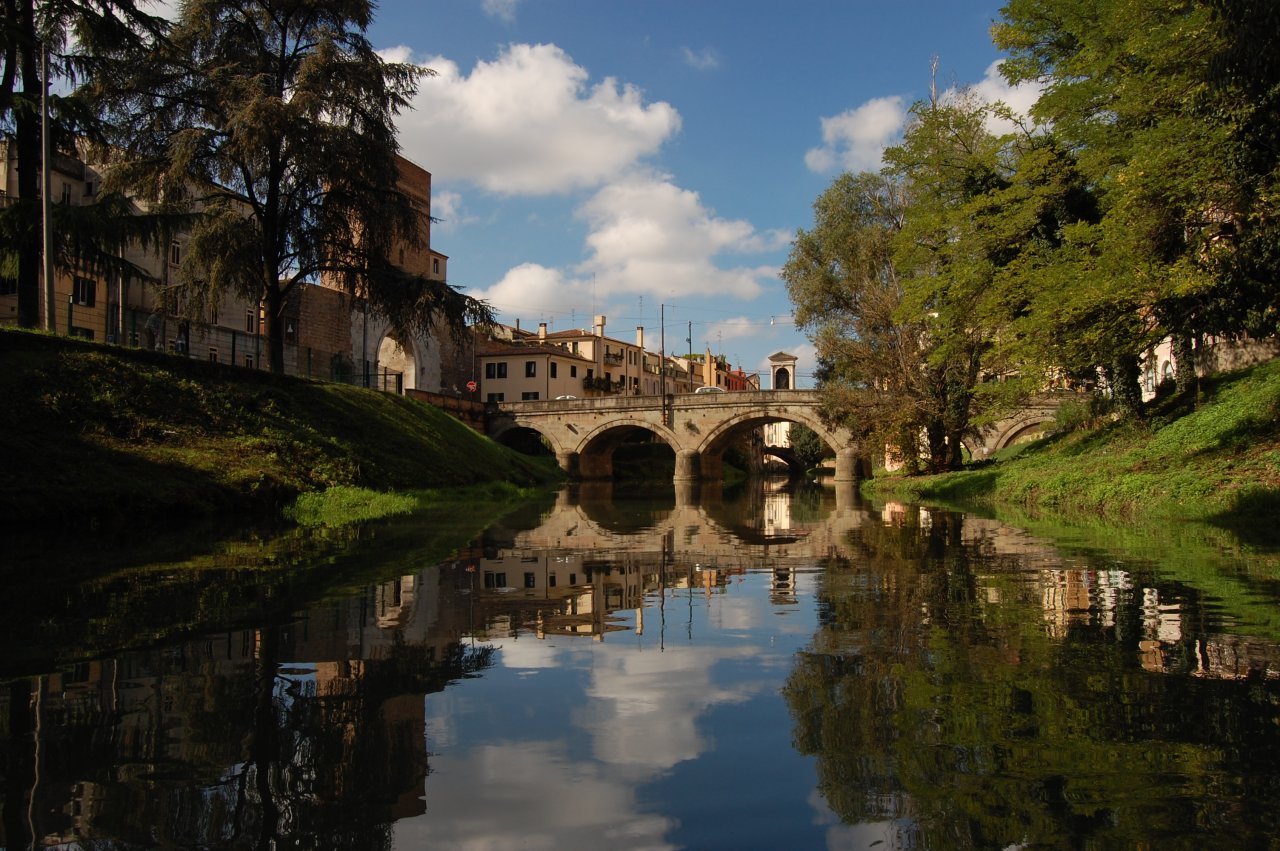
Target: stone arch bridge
{"x": 699, "y": 427}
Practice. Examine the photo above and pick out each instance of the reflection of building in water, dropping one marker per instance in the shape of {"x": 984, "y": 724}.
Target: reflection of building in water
{"x": 175, "y": 744}
{"x": 564, "y": 593}
{"x": 560, "y": 593}
{"x": 1174, "y": 638}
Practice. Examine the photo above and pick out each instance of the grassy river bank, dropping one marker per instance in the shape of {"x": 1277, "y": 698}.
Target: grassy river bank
{"x": 102, "y": 438}
{"x": 1213, "y": 460}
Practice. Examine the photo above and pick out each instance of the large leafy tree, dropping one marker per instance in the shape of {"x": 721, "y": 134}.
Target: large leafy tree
{"x": 1168, "y": 108}
{"x": 275, "y": 119}
{"x": 74, "y": 35}
{"x": 949, "y": 164}
{"x": 848, "y": 295}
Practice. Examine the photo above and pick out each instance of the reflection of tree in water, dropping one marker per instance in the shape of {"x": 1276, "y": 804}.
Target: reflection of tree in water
{"x": 927, "y": 703}
{"x": 251, "y": 755}
{"x": 333, "y": 766}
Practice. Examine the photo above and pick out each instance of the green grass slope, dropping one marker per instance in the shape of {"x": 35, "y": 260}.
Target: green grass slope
{"x": 1217, "y": 460}
{"x": 98, "y": 435}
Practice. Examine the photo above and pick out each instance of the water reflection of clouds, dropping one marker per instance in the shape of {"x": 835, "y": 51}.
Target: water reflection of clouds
{"x": 485, "y": 800}
{"x": 881, "y": 835}
{"x": 644, "y": 707}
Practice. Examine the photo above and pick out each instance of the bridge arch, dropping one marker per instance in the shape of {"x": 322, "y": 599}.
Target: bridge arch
{"x": 595, "y": 452}
{"x": 526, "y": 440}
{"x": 710, "y": 452}
{"x": 786, "y": 455}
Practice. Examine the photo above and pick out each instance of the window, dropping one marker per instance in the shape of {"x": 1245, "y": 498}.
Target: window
{"x": 553, "y": 369}
{"x": 82, "y": 333}
{"x": 213, "y": 314}
{"x": 175, "y": 254}
{"x": 66, "y": 193}
{"x": 8, "y": 286}
{"x": 497, "y": 397}
{"x": 89, "y": 189}
{"x": 530, "y": 580}
{"x": 1168, "y": 372}
{"x": 495, "y": 370}
{"x": 529, "y": 397}
{"x": 435, "y": 265}
{"x": 84, "y": 291}
{"x": 250, "y": 321}
{"x": 213, "y": 355}
{"x": 495, "y": 580}
{"x": 573, "y": 372}
{"x": 530, "y": 369}
{"x": 248, "y": 361}
{"x": 573, "y": 579}
{"x": 590, "y": 374}
{"x": 551, "y": 580}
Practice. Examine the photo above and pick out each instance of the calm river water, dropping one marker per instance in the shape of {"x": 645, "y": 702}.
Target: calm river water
{"x": 757, "y": 669}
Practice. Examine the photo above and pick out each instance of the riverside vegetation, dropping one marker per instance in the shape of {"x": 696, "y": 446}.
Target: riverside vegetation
{"x": 102, "y": 437}
{"x": 1212, "y": 457}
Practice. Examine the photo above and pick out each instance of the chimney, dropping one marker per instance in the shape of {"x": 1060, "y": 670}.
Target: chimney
{"x": 542, "y": 330}
{"x": 640, "y": 337}
{"x": 517, "y": 324}
{"x": 599, "y": 329}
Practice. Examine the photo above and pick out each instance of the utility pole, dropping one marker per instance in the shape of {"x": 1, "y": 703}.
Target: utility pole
{"x": 662, "y": 343}
{"x": 46, "y": 190}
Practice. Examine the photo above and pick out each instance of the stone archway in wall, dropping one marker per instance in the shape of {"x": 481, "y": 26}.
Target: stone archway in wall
{"x": 397, "y": 366}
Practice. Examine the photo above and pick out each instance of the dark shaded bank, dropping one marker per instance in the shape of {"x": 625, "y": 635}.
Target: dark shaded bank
{"x": 102, "y": 439}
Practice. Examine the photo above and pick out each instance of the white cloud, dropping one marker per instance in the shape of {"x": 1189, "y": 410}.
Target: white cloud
{"x": 855, "y": 139}
{"x": 646, "y": 237}
{"x": 1019, "y": 98}
{"x": 705, "y": 59}
{"x": 447, "y": 206}
{"x": 531, "y": 289}
{"x": 529, "y": 123}
{"x": 502, "y": 10}
{"x": 164, "y": 8}
{"x": 649, "y": 236}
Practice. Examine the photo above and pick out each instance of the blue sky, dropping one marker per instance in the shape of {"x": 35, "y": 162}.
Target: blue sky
{"x": 601, "y": 156}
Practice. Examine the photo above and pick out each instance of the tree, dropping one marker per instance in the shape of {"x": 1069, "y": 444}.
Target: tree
{"x": 1169, "y": 108}
{"x": 806, "y": 444}
{"x": 847, "y": 293}
{"x": 948, "y": 163}
{"x": 275, "y": 120}
{"x": 74, "y": 34}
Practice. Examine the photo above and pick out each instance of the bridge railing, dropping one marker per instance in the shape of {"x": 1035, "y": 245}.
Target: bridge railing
{"x": 676, "y": 400}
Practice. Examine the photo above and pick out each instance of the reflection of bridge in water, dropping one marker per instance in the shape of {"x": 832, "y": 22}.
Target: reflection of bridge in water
{"x": 592, "y": 557}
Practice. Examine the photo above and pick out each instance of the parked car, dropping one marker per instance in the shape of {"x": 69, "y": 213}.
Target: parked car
{"x": 709, "y": 389}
